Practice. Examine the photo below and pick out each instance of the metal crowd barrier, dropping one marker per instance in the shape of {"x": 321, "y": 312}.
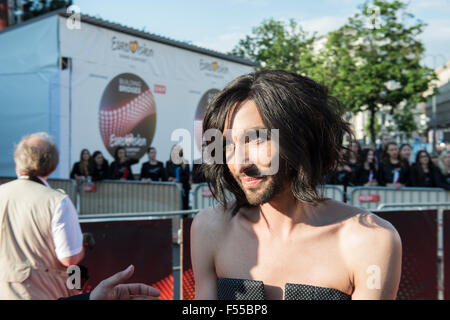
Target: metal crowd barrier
{"x": 440, "y": 233}
{"x": 203, "y": 197}
{"x": 69, "y": 186}
{"x": 112, "y": 196}
{"x": 373, "y": 197}
{"x": 141, "y": 239}
{"x": 335, "y": 192}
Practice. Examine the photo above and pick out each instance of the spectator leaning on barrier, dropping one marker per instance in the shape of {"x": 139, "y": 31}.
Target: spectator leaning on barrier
{"x": 422, "y": 171}
{"x": 405, "y": 152}
{"x": 178, "y": 171}
{"x": 379, "y": 153}
{"x": 393, "y": 171}
{"x": 366, "y": 174}
{"x": 352, "y": 158}
{"x": 39, "y": 230}
{"x": 99, "y": 167}
{"x": 341, "y": 174}
{"x": 121, "y": 166}
{"x": 153, "y": 170}
{"x": 434, "y": 159}
{"x": 80, "y": 170}
{"x": 442, "y": 171}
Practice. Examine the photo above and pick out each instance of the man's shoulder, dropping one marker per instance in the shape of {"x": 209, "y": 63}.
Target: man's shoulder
{"x": 365, "y": 231}
{"x": 213, "y": 218}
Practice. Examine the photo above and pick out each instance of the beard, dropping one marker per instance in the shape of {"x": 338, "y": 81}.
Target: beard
{"x": 266, "y": 190}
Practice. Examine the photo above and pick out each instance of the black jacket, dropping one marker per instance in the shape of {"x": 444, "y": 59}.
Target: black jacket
{"x": 156, "y": 172}
{"x": 441, "y": 180}
{"x": 418, "y": 178}
{"x": 362, "y": 175}
{"x": 183, "y": 173}
{"x": 122, "y": 170}
{"x": 76, "y": 170}
{"x": 386, "y": 173}
{"x": 100, "y": 174}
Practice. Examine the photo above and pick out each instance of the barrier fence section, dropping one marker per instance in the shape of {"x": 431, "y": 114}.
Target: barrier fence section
{"x": 111, "y": 196}
{"x": 203, "y": 198}
{"x": 418, "y": 230}
{"x": 141, "y": 239}
{"x": 372, "y": 197}
{"x": 446, "y": 258}
{"x": 67, "y": 185}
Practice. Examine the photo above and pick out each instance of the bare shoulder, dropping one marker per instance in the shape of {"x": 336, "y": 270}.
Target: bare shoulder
{"x": 211, "y": 221}
{"x": 372, "y": 249}
{"x": 365, "y": 233}
{"x": 363, "y": 226}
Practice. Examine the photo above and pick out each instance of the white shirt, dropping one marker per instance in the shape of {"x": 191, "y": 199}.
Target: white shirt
{"x": 66, "y": 230}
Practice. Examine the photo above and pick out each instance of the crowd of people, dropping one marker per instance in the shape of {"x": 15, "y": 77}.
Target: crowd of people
{"x": 92, "y": 168}
{"x": 390, "y": 166}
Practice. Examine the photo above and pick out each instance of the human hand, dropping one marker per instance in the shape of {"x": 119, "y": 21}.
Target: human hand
{"x": 113, "y": 288}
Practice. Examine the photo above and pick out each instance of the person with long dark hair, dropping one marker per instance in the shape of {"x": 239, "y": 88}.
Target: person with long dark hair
{"x": 178, "y": 171}
{"x": 442, "y": 171}
{"x": 121, "y": 166}
{"x": 379, "y": 153}
{"x": 276, "y": 135}
{"x": 422, "y": 171}
{"x": 80, "y": 170}
{"x": 393, "y": 170}
{"x": 352, "y": 158}
{"x": 99, "y": 167}
{"x": 342, "y": 174}
{"x": 405, "y": 152}
{"x": 366, "y": 174}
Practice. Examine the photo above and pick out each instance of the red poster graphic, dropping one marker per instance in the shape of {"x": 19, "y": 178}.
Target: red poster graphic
{"x": 158, "y": 88}
{"x": 369, "y": 198}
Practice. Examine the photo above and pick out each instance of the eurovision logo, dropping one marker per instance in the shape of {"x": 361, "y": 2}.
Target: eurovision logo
{"x": 133, "y": 47}
{"x": 127, "y": 115}
{"x": 213, "y": 67}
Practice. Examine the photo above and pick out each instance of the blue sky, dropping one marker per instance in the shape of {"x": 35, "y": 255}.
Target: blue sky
{"x": 219, "y": 25}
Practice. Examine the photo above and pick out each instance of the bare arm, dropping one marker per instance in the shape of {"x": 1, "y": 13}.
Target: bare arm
{"x": 375, "y": 259}
{"x": 202, "y": 254}
{"x": 72, "y": 260}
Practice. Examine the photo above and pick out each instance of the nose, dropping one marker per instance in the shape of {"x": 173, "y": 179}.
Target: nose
{"x": 240, "y": 158}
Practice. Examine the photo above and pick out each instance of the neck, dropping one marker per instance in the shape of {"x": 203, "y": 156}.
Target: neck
{"x": 283, "y": 213}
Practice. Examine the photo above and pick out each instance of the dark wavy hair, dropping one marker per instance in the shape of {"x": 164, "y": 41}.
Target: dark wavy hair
{"x": 364, "y": 156}
{"x": 311, "y": 130}
{"x": 430, "y": 164}
{"x": 116, "y": 153}
{"x": 386, "y": 158}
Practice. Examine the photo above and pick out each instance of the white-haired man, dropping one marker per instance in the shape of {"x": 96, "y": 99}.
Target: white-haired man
{"x": 40, "y": 235}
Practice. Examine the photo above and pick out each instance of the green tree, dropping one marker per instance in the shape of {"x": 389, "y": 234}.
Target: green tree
{"x": 405, "y": 122}
{"x": 376, "y": 126}
{"x": 279, "y": 45}
{"x": 374, "y": 60}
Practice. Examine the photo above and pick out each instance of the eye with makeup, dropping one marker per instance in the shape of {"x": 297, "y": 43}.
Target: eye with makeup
{"x": 251, "y": 138}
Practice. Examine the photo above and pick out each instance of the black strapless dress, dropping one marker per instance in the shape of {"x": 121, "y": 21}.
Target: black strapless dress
{"x": 245, "y": 289}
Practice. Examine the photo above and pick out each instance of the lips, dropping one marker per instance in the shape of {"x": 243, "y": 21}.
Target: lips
{"x": 251, "y": 181}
